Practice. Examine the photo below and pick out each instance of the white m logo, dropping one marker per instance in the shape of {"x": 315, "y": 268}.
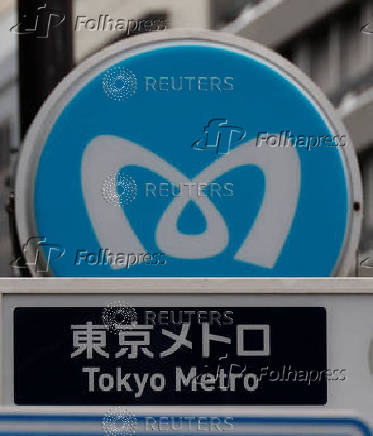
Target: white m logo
{"x": 262, "y": 245}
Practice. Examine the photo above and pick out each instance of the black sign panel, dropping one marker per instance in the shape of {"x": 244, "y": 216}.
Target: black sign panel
{"x": 171, "y": 356}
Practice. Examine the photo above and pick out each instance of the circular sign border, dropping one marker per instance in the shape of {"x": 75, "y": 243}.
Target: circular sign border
{"x": 64, "y": 92}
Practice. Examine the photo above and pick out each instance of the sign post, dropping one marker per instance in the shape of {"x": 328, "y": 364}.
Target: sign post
{"x": 44, "y": 33}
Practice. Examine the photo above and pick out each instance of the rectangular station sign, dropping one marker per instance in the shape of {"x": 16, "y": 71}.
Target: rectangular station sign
{"x": 171, "y": 356}
{"x": 271, "y": 346}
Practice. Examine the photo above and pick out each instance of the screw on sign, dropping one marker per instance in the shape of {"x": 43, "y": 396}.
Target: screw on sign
{"x": 145, "y": 129}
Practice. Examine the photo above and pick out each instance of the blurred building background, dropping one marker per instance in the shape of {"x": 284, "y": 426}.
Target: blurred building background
{"x": 330, "y": 40}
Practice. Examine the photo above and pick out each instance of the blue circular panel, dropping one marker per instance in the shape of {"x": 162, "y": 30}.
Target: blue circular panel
{"x": 192, "y": 160}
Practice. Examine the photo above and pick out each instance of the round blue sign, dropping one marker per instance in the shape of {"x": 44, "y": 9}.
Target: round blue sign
{"x": 197, "y": 155}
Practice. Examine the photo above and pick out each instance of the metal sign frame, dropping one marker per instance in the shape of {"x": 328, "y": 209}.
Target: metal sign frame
{"x": 17, "y": 421}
